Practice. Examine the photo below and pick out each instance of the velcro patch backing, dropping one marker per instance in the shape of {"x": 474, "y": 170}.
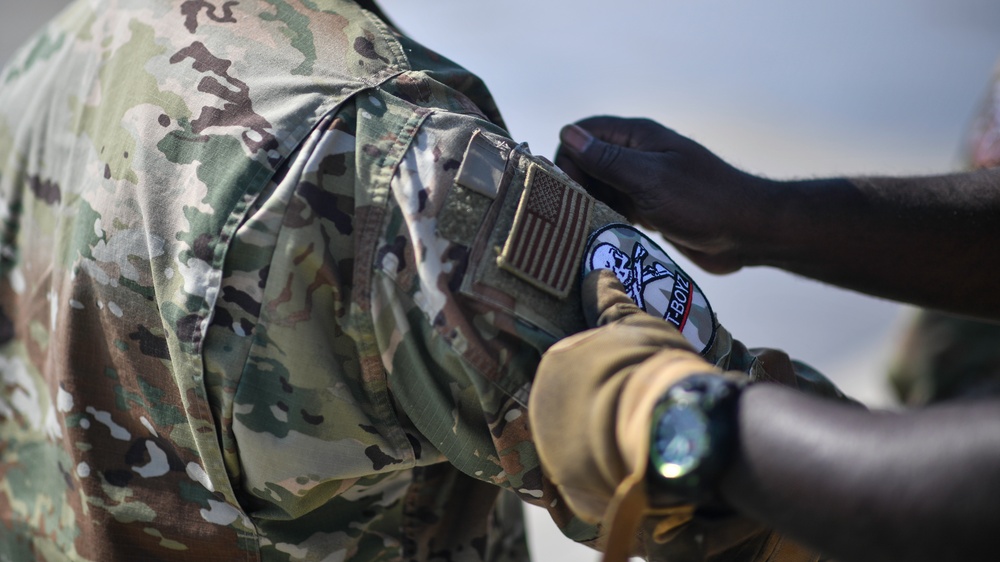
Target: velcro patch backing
{"x": 549, "y": 233}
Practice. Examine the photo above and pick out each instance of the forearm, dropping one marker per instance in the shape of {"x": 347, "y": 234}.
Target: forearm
{"x": 929, "y": 241}
{"x": 867, "y": 486}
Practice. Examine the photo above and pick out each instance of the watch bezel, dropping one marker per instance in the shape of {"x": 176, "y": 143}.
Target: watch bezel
{"x": 713, "y": 398}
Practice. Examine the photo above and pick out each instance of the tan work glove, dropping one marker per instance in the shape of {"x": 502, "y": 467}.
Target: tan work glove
{"x": 591, "y": 413}
{"x": 592, "y": 401}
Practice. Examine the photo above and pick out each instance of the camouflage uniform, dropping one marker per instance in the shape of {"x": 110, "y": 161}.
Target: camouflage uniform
{"x": 274, "y": 284}
{"x": 943, "y": 357}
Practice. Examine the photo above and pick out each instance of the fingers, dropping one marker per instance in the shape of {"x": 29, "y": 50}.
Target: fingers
{"x": 568, "y": 165}
{"x": 607, "y": 162}
{"x": 604, "y": 299}
{"x": 617, "y": 160}
{"x": 599, "y": 190}
{"x": 716, "y": 263}
{"x": 644, "y": 135}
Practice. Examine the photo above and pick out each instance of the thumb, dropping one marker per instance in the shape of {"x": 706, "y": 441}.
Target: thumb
{"x": 604, "y": 299}
{"x": 610, "y": 163}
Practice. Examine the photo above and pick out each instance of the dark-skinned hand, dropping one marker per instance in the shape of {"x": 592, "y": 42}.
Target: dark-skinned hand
{"x": 667, "y": 182}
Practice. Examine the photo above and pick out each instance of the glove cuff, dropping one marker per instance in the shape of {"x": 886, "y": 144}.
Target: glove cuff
{"x": 631, "y": 501}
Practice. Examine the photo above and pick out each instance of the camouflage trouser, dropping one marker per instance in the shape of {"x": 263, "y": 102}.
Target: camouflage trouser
{"x": 944, "y": 357}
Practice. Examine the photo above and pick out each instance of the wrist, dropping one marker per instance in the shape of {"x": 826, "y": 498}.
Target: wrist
{"x": 795, "y": 219}
{"x": 765, "y": 219}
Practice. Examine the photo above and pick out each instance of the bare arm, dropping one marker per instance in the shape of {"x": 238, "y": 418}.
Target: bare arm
{"x": 923, "y": 240}
{"x": 929, "y": 241}
{"x": 868, "y": 486}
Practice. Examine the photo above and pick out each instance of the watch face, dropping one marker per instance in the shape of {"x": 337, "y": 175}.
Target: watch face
{"x": 680, "y": 440}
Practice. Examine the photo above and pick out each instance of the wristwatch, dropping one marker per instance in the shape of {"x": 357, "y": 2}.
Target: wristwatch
{"x": 694, "y": 435}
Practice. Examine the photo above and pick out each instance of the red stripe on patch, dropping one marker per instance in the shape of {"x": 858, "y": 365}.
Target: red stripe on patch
{"x": 687, "y": 311}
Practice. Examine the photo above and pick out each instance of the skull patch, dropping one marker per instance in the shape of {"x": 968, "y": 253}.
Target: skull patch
{"x": 656, "y": 284}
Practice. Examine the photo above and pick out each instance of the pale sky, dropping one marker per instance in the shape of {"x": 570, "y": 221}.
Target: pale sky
{"x": 783, "y": 88}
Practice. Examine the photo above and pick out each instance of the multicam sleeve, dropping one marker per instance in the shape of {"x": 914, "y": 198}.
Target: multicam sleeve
{"x": 461, "y": 331}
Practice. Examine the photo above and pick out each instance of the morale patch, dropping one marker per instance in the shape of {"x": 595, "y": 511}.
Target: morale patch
{"x": 549, "y": 232}
{"x": 657, "y": 284}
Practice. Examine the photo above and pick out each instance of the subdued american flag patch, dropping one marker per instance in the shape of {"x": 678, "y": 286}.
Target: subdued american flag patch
{"x": 549, "y": 233}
